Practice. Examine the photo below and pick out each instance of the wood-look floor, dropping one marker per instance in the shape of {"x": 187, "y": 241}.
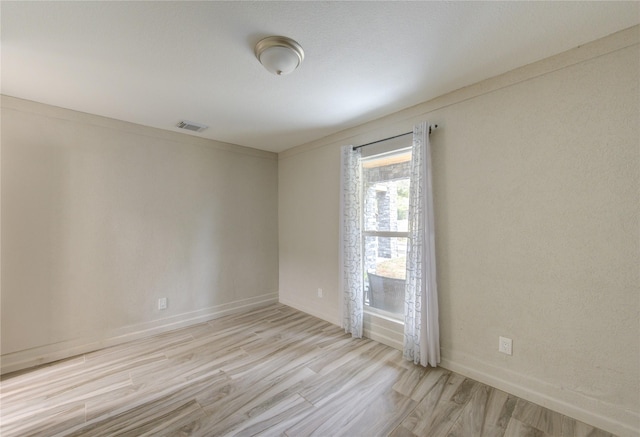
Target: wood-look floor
{"x": 273, "y": 372}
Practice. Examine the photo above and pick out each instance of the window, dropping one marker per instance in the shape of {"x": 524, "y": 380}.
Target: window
{"x": 385, "y": 180}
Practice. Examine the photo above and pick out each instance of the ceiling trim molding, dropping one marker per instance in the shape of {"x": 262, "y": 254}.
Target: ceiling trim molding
{"x": 400, "y": 121}
{"x": 45, "y": 110}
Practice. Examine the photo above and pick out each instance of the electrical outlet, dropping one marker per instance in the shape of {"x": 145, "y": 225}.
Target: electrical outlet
{"x": 162, "y": 303}
{"x": 505, "y": 345}
{"x": 319, "y": 292}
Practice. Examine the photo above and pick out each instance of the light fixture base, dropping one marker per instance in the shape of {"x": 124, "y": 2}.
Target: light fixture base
{"x": 279, "y": 55}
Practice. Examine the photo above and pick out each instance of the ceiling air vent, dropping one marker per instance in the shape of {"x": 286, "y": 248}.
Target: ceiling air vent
{"x": 189, "y": 125}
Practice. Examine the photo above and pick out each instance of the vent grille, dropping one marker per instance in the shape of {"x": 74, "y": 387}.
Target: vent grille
{"x": 189, "y": 125}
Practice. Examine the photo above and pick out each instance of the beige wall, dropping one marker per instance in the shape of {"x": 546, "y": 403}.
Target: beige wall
{"x": 536, "y": 185}
{"x": 100, "y": 218}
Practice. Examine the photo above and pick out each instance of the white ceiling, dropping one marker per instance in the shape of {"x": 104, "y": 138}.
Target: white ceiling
{"x": 156, "y": 63}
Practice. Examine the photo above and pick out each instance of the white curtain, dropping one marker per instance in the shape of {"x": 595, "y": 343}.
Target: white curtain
{"x": 351, "y": 237}
{"x": 421, "y": 331}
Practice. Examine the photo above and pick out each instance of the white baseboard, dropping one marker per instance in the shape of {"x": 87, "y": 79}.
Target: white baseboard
{"x": 331, "y": 318}
{"x": 608, "y": 417}
{"x": 384, "y": 330}
{"x": 53, "y": 352}
{"x": 380, "y": 329}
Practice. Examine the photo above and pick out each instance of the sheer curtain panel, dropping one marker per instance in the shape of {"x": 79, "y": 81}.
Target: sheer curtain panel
{"x": 421, "y": 330}
{"x": 351, "y": 238}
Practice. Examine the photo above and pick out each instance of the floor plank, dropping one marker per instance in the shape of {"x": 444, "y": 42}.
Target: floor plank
{"x": 272, "y": 371}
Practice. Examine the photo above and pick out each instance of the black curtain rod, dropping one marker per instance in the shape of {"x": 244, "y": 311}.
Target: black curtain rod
{"x": 435, "y": 126}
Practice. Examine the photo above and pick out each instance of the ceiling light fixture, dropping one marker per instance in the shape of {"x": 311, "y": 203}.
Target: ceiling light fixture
{"x": 279, "y": 54}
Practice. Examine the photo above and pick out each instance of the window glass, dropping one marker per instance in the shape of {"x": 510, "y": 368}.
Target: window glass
{"x": 385, "y": 222}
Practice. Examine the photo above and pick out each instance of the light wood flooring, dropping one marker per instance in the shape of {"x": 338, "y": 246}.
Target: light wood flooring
{"x": 273, "y": 372}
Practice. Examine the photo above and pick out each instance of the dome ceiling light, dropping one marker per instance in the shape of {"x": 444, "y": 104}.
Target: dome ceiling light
{"x": 279, "y": 54}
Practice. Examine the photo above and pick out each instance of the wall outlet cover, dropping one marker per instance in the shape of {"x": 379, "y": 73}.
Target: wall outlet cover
{"x": 505, "y": 345}
{"x": 162, "y": 303}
